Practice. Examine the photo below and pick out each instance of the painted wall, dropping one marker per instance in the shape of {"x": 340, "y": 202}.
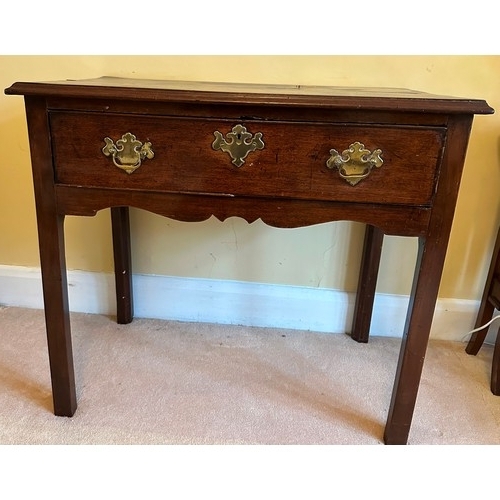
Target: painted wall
{"x": 320, "y": 256}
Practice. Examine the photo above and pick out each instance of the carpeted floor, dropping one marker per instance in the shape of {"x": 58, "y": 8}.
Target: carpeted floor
{"x": 161, "y": 382}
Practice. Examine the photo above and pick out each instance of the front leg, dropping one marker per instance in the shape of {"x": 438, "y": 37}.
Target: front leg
{"x": 52, "y": 260}
{"x": 414, "y": 344}
{"x": 57, "y": 321}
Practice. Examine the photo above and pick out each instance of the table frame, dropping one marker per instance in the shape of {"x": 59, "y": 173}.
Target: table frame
{"x": 431, "y": 225}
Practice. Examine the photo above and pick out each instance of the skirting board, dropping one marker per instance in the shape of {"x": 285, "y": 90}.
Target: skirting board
{"x": 239, "y": 303}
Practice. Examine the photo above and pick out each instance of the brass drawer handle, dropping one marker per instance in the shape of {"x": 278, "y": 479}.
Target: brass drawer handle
{"x": 239, "y": 143}
{"x": 128, "y": 152}
{"x": 355, "y": 163}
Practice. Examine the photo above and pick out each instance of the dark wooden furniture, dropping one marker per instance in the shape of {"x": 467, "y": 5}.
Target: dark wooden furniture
{"x": 289, "y": 155}
{"x": 489, "y": 302}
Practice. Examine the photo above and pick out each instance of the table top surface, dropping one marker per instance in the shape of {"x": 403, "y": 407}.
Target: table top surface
{"x": 399, "y": 99}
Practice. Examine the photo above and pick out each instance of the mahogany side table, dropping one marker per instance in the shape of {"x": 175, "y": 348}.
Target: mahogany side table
{"x": 289, "y": 155}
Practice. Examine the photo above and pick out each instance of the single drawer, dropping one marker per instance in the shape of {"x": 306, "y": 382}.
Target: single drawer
{"x": 291, "y": 161}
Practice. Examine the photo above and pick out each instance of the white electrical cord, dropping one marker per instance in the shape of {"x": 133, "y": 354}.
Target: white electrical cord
{"x": 482, "y": 327}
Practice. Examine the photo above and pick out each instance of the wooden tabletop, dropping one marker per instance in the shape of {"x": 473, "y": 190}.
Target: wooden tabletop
{"x": 375, "y": 98}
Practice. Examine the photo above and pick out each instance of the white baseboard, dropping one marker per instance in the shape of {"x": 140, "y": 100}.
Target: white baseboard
{"x": 234, "y": 302}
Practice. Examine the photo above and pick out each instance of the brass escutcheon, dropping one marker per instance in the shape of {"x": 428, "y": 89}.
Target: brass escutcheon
{"x": 128, "y": 152}
{"x": 355, "y": 163}
{"x": 238, "y": 144}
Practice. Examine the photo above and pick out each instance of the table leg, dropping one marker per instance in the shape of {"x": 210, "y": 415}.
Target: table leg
{"x": 477, "y": 338}
{"x": 495, "y": 368}
{"x": 363, "y": 308}
{"x": 414, "y": 344}
{"x": 120, "y": 224}
{"x": 487, "y": 308}
{"x": 57, "y": 321}
{"x": 52, "y": 260}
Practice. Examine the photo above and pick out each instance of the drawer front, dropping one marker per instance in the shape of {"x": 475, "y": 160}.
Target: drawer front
{"x": 292, "y": 162}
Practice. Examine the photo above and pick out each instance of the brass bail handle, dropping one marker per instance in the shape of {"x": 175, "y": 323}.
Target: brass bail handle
{"x": 128, "y": 153}
{"x": 238, "y": 143}
{"x": 355, "y": 163}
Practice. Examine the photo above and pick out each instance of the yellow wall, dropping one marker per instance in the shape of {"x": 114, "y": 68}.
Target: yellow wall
{"x": 324, "y": 255}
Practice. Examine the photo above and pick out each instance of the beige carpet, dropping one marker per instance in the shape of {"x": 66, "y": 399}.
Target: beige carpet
{"x": 160, "y": 382}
